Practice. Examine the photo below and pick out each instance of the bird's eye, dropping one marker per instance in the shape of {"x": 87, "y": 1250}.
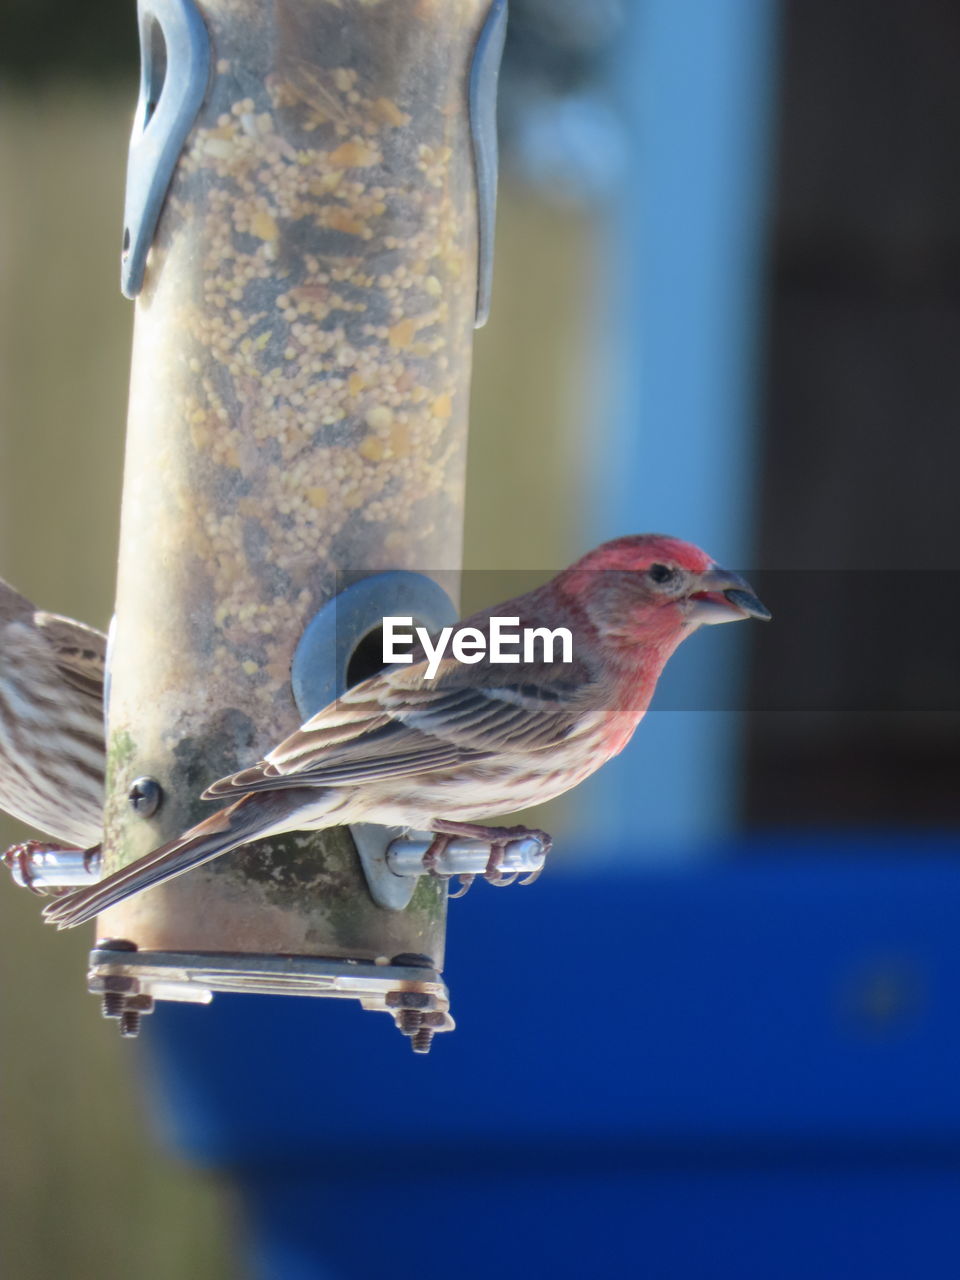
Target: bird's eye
{"x": 661, "y": 574}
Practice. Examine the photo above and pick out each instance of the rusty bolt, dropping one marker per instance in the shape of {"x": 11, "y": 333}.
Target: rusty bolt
{"x": 422, "y": 1041}
{"x": 113, "y": 1004}
{"x": 130, "y": 1023}
{"x": 409, "y": 1021}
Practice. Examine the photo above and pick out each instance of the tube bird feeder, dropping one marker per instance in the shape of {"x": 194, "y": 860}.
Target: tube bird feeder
{"x": 307, "y": 236}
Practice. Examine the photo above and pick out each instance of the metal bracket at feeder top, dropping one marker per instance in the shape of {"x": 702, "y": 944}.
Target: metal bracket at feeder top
{"x": 321, "y": 672}
{"x": 174, "y": 74}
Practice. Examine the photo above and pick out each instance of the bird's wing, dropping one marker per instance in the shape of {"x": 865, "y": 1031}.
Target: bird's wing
{"x": 80, "y": 652}
{"x": 396, "y": 723}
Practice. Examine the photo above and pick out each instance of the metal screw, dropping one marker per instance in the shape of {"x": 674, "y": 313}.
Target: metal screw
{"x": 130, "y": 1024}
{"x": 422, "y": 1041}
{"x": 409, "y": 1021}
{"x": 113, "y": 1004}
{"x": 145, "y": 795}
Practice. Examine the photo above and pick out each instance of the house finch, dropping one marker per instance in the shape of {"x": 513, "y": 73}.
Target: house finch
{"x": 51, "y": 721}
{"x": 479, "y": 738}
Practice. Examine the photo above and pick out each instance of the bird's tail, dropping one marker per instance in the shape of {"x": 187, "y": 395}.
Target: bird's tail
{"x": 247, "y": 819}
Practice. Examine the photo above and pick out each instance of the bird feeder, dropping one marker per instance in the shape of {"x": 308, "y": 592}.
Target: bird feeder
{"x": 307, "y": 235}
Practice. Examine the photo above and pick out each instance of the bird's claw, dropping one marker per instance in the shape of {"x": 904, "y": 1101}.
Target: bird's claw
{"x": 432, "y": 856}
{"x": 499, "y": 840}
{"x": 493, "y": 873}
{"x": 21, "y": 856}
{"x": 465, "y": 884}
{"x": 501, "y": 881}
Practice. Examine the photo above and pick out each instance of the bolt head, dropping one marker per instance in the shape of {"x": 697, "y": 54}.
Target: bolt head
{"x": 412, "y": 960}
{"x": 144, "y": 796}
{"x": 119, "y": 982}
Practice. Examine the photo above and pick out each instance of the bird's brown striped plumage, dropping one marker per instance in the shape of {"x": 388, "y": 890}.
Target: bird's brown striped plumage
{"x": 51, "y": 721}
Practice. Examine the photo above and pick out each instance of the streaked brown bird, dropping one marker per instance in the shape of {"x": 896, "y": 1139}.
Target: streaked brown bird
{"x": 477, "y": 739}
{"x": 51, "y": 721}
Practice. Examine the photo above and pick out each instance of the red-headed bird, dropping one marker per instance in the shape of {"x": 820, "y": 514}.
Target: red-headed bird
{"x": 477, "y": 740}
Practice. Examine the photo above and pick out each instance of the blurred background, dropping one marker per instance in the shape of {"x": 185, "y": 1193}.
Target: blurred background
{"x": 720, "y": 1037}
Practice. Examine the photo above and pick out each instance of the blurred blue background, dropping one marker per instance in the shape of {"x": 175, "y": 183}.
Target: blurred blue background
{"x": 719, "y": 1037}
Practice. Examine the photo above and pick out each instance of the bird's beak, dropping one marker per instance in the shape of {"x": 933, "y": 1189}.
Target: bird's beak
{"x": 719, "y": 595}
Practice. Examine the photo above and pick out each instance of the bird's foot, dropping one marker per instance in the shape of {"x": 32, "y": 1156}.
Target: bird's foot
{"x": 498, "y": 839}
{"x": 433, "y": 855}
{"x": 19, "y": 859}
{"x": 438, "y": 846}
